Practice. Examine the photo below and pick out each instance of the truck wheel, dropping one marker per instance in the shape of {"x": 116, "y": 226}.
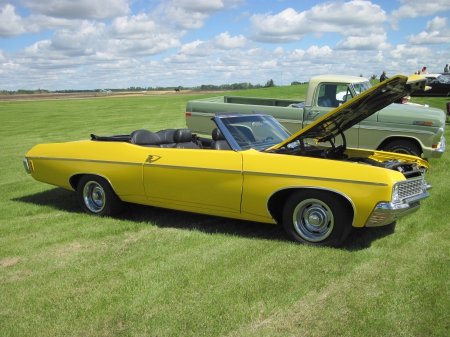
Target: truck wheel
{"x": 317, "y": 218}
{"x": 96, "y": 197}
{"x": 403, "y": 146}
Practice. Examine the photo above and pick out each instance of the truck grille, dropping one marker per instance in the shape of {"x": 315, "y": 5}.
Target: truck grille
{"x": 410, "y": 188}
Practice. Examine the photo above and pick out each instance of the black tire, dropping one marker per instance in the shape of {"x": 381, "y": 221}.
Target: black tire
{"x": 317, "y": 218}
{"x": 96, "y": 197}
{"x": 403, "y": 146}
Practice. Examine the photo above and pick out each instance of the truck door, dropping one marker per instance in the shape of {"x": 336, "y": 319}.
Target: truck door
{"x": 327, "y": 97}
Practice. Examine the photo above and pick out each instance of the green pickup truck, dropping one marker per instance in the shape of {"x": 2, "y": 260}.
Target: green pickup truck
{"x": 404, "y": 128}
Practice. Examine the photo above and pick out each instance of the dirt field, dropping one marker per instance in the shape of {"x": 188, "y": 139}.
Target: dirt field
{"x": 79, "y": 95}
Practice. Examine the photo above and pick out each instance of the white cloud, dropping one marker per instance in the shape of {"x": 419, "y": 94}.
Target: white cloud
{"x": 416, "y": 8}
{"x": 436, "y": 24}
{"x": 436, "y": 32}
{"x": 405, "y": 52}
{"x": 141, "y": 26}
{"x": 343, "y": 18}
{"x": 198, "y": 51}
{"x": 435, "y": 37}
{"x": 200, "y": 6}
{"x": 224, "y": 41}
{"x": 191, "y": 14}
{"x": 371, "y": 42}
{"x": 10, "y": 23}
{"x": 80, "y": 9}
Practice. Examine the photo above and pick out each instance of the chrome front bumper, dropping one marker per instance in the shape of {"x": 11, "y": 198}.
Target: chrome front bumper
{"x": 26, "y": 165}
{"x": 437, "y": 153}
{"x": 385, "y": 213}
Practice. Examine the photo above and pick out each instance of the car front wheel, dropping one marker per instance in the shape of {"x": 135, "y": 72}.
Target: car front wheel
{"x": 96, "y": 197}
{"x": 317, "y": 217}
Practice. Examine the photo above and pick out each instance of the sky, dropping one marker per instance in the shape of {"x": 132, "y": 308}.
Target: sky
{"x": 111, "y": 44}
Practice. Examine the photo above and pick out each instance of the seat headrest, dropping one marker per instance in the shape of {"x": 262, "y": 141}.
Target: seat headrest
{"x": 182, "y": 136}
{"x": 144, "y": 137}
{"x": 217, "y": 135}
{"x": 220, "y": 145}
{"x": 166, "y": 136}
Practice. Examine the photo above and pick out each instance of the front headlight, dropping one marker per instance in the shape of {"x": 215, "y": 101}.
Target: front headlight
{"x": 395, "y": 195}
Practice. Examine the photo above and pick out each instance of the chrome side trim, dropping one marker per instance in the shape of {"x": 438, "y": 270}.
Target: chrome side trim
{"x": 402, "y": 131}
{"x": 291, "y": 121}
{"x": 316, "y": 178}
{"x": 192, "y": 168}
{"x": 92, "y": 174}
{"x": 88, "y": 160}
{"x": 197, "y": 113}
{"x": 214, "y": 169}
{"x": 139, "y": 164}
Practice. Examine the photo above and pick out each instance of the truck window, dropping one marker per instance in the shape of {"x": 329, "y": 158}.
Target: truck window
{"x": 361, "y": 87}
{"x": 343, "y": 94}
{"x": 333, "y": 95}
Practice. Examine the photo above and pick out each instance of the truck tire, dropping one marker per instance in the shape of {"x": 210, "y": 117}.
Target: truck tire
{"x": 96, "y": 197}
{"x": 317, "y": 218}
{"x": 404, "y": 146}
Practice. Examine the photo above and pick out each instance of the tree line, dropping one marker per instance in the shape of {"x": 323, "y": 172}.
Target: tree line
{"x": 203, "y": 87}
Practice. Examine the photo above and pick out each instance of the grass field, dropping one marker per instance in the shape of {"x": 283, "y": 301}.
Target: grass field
{"x": 156, "y": 272}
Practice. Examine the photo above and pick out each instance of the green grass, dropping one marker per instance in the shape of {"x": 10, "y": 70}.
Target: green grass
{"x": 156, "y": 272}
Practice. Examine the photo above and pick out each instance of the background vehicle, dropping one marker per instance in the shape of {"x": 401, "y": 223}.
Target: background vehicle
{"x": 439, "y": 83}
{"x": 401, "y": 128}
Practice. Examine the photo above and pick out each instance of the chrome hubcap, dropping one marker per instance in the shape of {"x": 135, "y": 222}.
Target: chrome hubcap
{"x": 94, "y": 196}
{"x": 313, "y": 220}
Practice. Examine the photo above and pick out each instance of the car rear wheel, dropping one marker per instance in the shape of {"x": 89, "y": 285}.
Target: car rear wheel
{"x": 403, "y": 146}
{"x": 317, "y": 217}
{"x": 96, "y": 197}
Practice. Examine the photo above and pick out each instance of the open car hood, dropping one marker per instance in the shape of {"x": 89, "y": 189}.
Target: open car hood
{"x": 358, "y": 108}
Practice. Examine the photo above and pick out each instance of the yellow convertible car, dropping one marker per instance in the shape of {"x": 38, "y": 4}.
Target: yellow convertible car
{"x": 251, "y": 169}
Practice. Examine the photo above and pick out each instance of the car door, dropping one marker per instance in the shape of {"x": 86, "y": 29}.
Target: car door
{"x": 199, "y": 180}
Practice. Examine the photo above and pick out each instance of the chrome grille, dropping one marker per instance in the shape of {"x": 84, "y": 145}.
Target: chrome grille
{"x": 410, "y": 188}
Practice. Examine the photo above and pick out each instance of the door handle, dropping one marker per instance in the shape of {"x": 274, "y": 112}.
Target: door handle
{"x": 313, "y": 114}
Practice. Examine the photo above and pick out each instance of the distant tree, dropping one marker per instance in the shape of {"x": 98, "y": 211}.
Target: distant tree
{"x": 269, "y": 84}
{"x": 373, "y": 77}
{"x": 295, "y": 83}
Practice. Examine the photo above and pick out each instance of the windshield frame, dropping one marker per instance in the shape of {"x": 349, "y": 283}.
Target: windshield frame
{"x": 226, "y": 122}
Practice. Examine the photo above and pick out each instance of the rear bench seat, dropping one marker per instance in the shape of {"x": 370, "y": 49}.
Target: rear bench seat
{"x": 169, "y": 138}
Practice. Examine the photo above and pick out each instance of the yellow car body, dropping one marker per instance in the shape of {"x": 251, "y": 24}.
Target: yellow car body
{"x": 242, "y": 183}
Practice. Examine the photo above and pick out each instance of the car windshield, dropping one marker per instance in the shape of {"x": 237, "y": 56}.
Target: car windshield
{"x": 443, "y": 79}
{"x": 255, "y": 131}
{"x": 361, "y": 87}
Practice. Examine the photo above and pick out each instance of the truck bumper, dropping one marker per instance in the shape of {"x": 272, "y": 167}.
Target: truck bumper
{"x": 437, "y": 153}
